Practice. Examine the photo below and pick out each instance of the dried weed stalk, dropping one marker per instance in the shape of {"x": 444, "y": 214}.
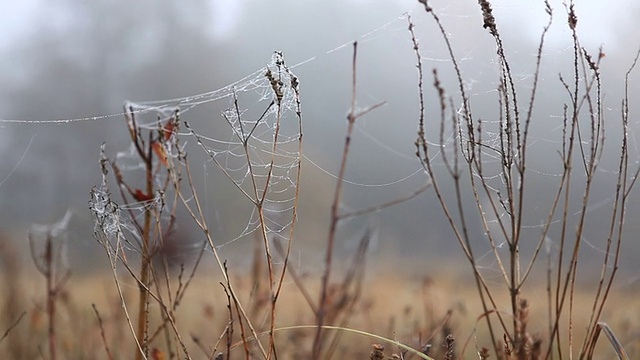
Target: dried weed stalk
{"x": 326, "y": 308}
{"x": 506, "y": 202}
{"x": 51, "y": 263}
{"x": 155, "y": 147}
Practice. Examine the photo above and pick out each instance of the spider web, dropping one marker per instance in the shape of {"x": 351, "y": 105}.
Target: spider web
{"x": 260, "y": 150}
{"x": 255, "y": 148}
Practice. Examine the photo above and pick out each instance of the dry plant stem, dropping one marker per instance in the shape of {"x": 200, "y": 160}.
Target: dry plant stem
{"x": 50, "y": 266}
{"x": 352, "y": 288}
{"x": 12, "y": 326}
{"x": 335, "y": 208}
{"x": 515, "y": 175}
{"x": 143, "y": 300}
{"x": 615, "y": 230}
{"x": 597, "y": 142}
{"x": 112, "y": 250}
{"x": 211, "y": 353}
{"x": 536, "y": 78}
{"x": 566, "y": 288}
{"x": 523, "y": 148}
{"x": 562, "y": 294}
{"x": 294, "y": 212}
{"x": 260, "y": 192}
{"x": 229, "y": 328}
{"x": 10, "y": 268}
{"x": 512, "y": 152}
{"x": 243, "y": 334}
{"x": 509, "y": 157}
{"x": 296, "y": 279}
{"x": 422, "y": 145}
{"x": 166, "y": 311}
{"x": 51, "y": 299}
{"x": 351, "y": 118}
{"x": 198, "y": 216}
{"x": 258, "y": 199}
{"x": 113, "y": 259}
{"x": 153, "y": 208}
{"x": 166, "y": 317}
{"x": 494, "y": 205}
{"x": 104, "y": 338}
{"x": 273, "y": 289}
{"x": 196, "y": 340}
{"x": 548, "y": 222}
{"x": 146, "y": 156}
{"x": 387, "y": 204}
{"x": 270, "y": 272}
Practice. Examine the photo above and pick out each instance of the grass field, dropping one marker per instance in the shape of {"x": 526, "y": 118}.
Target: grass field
{"x": 412, "y": 309}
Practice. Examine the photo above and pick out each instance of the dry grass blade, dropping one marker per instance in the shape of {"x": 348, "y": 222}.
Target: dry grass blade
{"x": 12, "y": 326}
{"x": 613, "y": 340}
{"x": 373, "y": 336}
{"x": 104, "y": 338}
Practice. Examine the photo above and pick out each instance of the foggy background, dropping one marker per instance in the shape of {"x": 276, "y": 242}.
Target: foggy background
{"x": 79, "y": 61}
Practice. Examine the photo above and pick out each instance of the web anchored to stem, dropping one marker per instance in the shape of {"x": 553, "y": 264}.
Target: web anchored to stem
{"x": 259, "y": 155}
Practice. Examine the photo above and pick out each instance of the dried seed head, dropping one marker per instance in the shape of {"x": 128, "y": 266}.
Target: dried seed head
{"x": 427, "y": 8}
{"x": 377, "y": 353}
{"x": 449, "y": 348}
{"x": 489, "y": 22}
{"x": 573, "y": 18}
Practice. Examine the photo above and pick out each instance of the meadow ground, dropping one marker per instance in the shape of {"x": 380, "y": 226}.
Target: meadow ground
{"x": 415, "y": 309}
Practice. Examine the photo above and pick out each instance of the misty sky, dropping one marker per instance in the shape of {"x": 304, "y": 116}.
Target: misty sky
{"x": 71, "y": 59}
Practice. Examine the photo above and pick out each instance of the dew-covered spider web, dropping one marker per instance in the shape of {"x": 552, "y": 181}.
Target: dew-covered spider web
{"x": 255, "y": 150}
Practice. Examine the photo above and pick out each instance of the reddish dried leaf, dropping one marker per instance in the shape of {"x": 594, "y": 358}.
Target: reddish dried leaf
{"x": 168, "y": 129}
{"x": 157, "y": 354}
{"x": 140, "y": 196}
{"x": 160, "y": 151}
